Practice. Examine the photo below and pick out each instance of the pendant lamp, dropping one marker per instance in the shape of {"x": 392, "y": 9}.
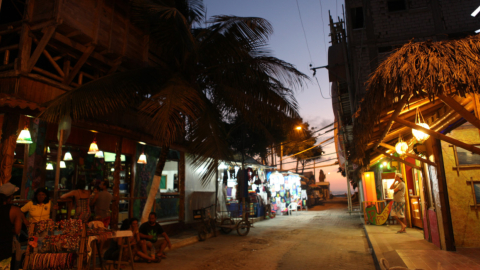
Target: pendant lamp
{"x": 48, "y": 149}
{"x": 420, "y": 135}
{"x": 68, "y": 156}
{"x": 401, "y": 147}
{"x": 49, "y": 167}
{"x": 93, "y": 147}
{"x": 99, "y": 154}
{"x": 142, "y": 159}
{"x": 63, "y": 165}
{"x": 24, "y": 137}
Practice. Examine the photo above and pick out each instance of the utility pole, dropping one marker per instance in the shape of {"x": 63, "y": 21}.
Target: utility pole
{"x": 281, "y": 157}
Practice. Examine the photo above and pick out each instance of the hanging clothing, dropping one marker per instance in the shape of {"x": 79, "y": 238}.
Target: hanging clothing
{"x": 225, "y": 176}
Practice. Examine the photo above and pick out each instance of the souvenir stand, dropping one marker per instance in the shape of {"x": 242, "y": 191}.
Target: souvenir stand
{"x": 68, "y": 243}
{"x": 258, "y": 191}
{"x": 285, "y": 188}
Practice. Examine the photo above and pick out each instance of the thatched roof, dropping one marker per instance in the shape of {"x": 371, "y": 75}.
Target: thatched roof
{"x": 421, "y": 70}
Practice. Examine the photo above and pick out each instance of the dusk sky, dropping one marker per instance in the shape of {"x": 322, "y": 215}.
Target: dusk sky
{"x": 288, "y": 43}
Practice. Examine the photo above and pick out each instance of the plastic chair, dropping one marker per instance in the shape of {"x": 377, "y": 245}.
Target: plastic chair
{"x": 292, "y": 207}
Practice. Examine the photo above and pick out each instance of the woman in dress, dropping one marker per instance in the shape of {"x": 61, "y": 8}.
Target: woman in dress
{"x": 82, "y": 201}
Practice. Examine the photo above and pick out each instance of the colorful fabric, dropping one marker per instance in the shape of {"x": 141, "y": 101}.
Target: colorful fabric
{"x": 398, "y": 209}
{"x": 5, "y": 264}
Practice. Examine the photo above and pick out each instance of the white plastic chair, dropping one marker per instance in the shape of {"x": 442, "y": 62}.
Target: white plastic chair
{"x": 292, "y": 207}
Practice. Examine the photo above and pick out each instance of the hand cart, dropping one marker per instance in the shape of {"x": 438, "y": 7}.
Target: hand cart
{"x": 236, "y": 220}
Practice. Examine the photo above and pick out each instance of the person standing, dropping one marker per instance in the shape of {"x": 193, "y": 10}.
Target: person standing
{"x": 398, "y": 208}
{"x": 151, "y": 231}
{"x": 82, "y": 199}
{"x": 39, "y": 207}
{"x": 101, "y": 201}
{"x": 10, "y": 224}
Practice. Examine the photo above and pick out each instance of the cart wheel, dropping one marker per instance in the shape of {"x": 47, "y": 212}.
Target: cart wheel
{"x": 202, "y": 234}
{"x": 243, "y": 227}
{"x": 227, "y": 222}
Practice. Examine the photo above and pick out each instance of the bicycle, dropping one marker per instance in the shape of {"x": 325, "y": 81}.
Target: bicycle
{"x": 208, "y": 223}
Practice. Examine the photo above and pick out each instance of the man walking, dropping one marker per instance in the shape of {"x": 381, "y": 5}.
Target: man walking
{"x": 101, "y": 201}
{"x": 151, "y": 231}
{"x": 398, "y": 208}
{"x": 10, "y": 224}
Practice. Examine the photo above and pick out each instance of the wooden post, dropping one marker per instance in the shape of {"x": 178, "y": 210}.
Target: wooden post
{"x": 23, "y": 195}
{"x": 132, "y": 187}
{"x": 443, "y": 195}
{"x": 8, "y": 143}
{"x": 57, "y": 175}
{"x": 116, "y": 185}
{"x": 439, "y": 136}
{"x": 216, "y": 187}
{"x": 425, "y": 203}
{"x": 181, "y": 186}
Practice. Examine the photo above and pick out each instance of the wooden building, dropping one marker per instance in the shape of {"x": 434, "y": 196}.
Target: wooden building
{"x": 49, "y": 47}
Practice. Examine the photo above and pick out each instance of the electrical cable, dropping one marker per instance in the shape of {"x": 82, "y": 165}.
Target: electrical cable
{"x": 323, "y": 28}
{"x": 320, "y": 88}
{"x": 304, "y": 33}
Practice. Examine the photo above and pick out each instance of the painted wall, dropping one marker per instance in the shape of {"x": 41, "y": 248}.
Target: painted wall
{"x": 466, "y": 223}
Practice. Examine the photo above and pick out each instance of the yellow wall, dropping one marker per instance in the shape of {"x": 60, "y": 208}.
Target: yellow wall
{"x": 466, "y": 222}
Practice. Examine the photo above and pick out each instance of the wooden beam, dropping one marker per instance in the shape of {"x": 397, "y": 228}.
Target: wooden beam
{"x": 398, "y": 159}
{"x": 388, "y": 146}
{"x": 79, "y": 64}
{"x": 54, "y": 64}
{"x": 389, "y": 124}
{"x": 40, "y": 47}
{"x": 460, "y": 110}
{"x": 439, "y": 136}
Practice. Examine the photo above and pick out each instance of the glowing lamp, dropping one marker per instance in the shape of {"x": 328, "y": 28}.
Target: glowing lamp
{"x": 142, "y": 159}
{"x": 401, "y": 147}
{"x": 93, "y": 148}
{"x": 49, "y": 167}
{"x": 384, "y": 163}
{"x": 298, "y": 128}
{"x": 24, "y": 137}
{"x": 99, "y": 154}
{"x": 420, "y": 135}
{"x": 48, "y": 149}
{"x": 68, "y": 156}
{"x": 63, "y": 165}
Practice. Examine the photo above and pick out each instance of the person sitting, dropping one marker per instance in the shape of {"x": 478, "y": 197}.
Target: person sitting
{"x": 151, "y": 231}
{"x": 139, "y": 246}
{"x": 82, "y": 199}
{"x": 39, "y": 207}
{"x": 101, "y": 201}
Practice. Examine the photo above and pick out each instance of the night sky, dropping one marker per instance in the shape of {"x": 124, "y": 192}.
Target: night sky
{"x": 289, "y": 44}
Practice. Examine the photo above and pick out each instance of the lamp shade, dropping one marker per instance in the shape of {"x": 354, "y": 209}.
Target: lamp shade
{"x": 99, "y": 154}
{"x": 142, "y": 159}
{"x": 48, "y": 149}
{"x": 24, "y": 137}
{"x": 420, "y": 135}
{"x": 63, "y": 165}
{"x": 401, "y": 147}
{"x": 68, "y": 156}
{"x": 49, "y": 167}
{"x": 93, "y": 148}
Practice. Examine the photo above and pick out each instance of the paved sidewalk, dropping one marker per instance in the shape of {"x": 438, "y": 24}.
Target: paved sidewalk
{"x": 412, "y": 251}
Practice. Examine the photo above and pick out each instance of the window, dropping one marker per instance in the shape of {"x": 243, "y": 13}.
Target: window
{"x": 467, "y": 158}
{"x": 396, "y": 5}
{"x": 357, "y": 17}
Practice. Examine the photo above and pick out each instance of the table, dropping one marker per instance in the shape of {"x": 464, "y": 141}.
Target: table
{"x": 117, "y": 234}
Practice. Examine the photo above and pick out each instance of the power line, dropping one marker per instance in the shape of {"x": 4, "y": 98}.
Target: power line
{"x": 304, "y": 33}
{"x": 320, "y": 88}
{"x": 323, "y": 28}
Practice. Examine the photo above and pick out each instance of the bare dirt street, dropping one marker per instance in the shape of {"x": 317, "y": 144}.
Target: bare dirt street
{"x": 325, "y": 237}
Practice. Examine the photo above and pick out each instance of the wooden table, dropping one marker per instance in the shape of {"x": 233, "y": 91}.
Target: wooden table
{"x": 94, "y": 250}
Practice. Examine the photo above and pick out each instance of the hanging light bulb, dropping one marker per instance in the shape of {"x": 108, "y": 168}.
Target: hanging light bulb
{"x": 420, "y": 135}
{"x": 93, "y": 147}
{"x": 401, "y": 147}
{"x": 63, "y": 165}
{"x": 24, "y": 137}
{"x": 48, "y": 149}
{"x": 99, "y": 154}
{"x": 142, "y": 159}
{"x": 49, "y": 167}
{"x": 68, "y": 156}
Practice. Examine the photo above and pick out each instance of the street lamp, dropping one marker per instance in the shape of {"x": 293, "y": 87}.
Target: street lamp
{"x": 298, "y": 128}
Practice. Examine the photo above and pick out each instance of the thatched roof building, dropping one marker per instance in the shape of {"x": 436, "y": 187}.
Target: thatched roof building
{"x": 417, "y": 76}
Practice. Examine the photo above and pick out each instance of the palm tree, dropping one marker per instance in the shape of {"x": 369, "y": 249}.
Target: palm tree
{"x": 205, "y": 75}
